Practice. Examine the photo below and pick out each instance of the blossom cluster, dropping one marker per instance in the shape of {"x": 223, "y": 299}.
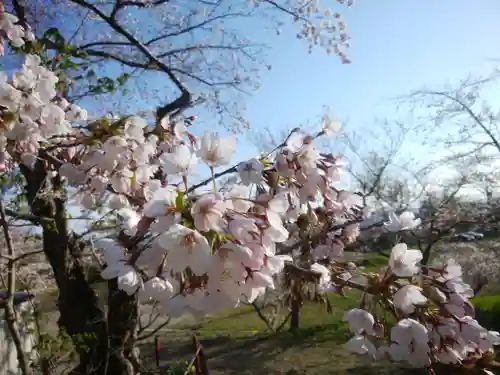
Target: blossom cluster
{"x": 32, "y": 114}
{"x": 212, "y": 250}
{"x": 434, "y": 318}
{"x": 10, "y": 29}
{"x": 205, "y": 251}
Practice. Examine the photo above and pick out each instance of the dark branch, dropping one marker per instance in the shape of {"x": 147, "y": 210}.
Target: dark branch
{"x": 184, "y": 99}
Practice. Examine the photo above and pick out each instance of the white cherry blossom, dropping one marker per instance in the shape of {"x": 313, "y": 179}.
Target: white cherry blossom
{"x": 216, "y": 151}
{"x": 331, "y": 127}
{"x": 185, "y": 248}
{"x": 180, "y": 160}
{"x": 405, "y": 221}
{"x": 208, "y": 212}
{"x": 250, "y": 172}
{"x": 239, "y": 240}
{"x": 408, "y": 297}
{"x": 361, "y": 345}
{"x": 404, "y": 262}
{"x": 360, "y": 321}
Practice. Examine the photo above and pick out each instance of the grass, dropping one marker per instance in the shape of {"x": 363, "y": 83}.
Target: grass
{"x": 237, "y": 342}
{"x": 488, "y": 311}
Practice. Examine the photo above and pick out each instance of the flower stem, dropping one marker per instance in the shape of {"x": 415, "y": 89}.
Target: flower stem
{"x": 213, "y": 179}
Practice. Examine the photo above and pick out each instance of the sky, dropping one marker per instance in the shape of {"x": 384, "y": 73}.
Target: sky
{"x": 396, "y": 47}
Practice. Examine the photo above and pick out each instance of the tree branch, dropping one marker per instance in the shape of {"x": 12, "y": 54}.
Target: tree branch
{"x": 471, "y": 113}
{"x": 178, "y": 104}
{"x": 208, "y": 180}
{"x": 134, "y": 41}
{"x": 20, "y": 12}
{"x": 28, "y": 217}
{"x": 10, "y": 313}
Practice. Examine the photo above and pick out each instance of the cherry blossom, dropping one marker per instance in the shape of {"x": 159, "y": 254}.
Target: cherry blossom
{"x": 185, "y": 248}
{"x": 403, "y": 261}
{"x": 360, "y": 321}
{"x": 208, "y": 212}
{"x": 205, "y": 251}
{"x": 250, "y": 172}
{"x": 180, "y": 160}
{"x": 408, "y": 297}
{"x": 325, "y": 282}
{"x": 216, "y": 151}
{"x": 361, "y": 345}
{"x": 331, "y": 127}
{"x": 405, "y": 221}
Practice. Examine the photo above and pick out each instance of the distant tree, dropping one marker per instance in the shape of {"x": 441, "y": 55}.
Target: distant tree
{"x": 160, "y": 49}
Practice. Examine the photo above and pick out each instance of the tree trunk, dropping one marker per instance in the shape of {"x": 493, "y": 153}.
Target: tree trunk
{"x": 426, "y": 255}
{"x": 81, "y": 315}
{"x": 122, "y": 323}
{"x": 295, "y": 307}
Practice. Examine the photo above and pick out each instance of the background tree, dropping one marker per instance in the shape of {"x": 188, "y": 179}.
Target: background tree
{"x": 120, "y": 49}
{"x": 99, "y": 50}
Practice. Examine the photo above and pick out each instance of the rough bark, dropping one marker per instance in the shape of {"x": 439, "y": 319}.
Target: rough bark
{"x": 81, "y": 315}
{"x": 122, "y": 323}
{"x": 295, "y": 306}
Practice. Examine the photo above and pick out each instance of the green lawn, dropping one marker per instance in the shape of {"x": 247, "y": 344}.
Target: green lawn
{"x": 237, "y": 342}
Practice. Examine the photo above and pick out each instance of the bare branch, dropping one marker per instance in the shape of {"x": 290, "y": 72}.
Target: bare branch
{"x": 28, "y": 217}
{"x": 10, "y": 313}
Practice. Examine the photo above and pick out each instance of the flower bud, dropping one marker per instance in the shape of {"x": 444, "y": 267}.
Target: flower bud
{"x": 378, "y": 329}
{"x": 435, "y": 294}
{"x": 273, "y": 179}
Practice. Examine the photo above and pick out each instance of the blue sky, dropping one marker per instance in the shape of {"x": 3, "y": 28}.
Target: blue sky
{"x": 396, "y": 47}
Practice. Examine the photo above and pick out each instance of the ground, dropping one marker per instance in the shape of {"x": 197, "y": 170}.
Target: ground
{"x": 237, "y": 342}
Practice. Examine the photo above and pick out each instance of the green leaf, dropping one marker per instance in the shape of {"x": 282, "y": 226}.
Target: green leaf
{"x": 106, "y": 83}
{"x": 264, "y": 162}
{"x": 54, "y": 35}
{"x": 179, "y": 201}
{"x": 122, "y": 79}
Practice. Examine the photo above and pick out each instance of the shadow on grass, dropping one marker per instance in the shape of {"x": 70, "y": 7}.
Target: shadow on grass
{"x": 255, "y": 352}
{"x": 309, "y": 351}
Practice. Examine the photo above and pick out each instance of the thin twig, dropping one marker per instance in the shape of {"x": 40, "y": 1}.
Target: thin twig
{"x": 154, "y": 331}
{"x": 28, "y": 217}
{"x": 10, "y": 314}
{"x": 21, "y": 256}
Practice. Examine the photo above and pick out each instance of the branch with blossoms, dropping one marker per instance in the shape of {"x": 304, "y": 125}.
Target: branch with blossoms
{"x": 204, "y": 252}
